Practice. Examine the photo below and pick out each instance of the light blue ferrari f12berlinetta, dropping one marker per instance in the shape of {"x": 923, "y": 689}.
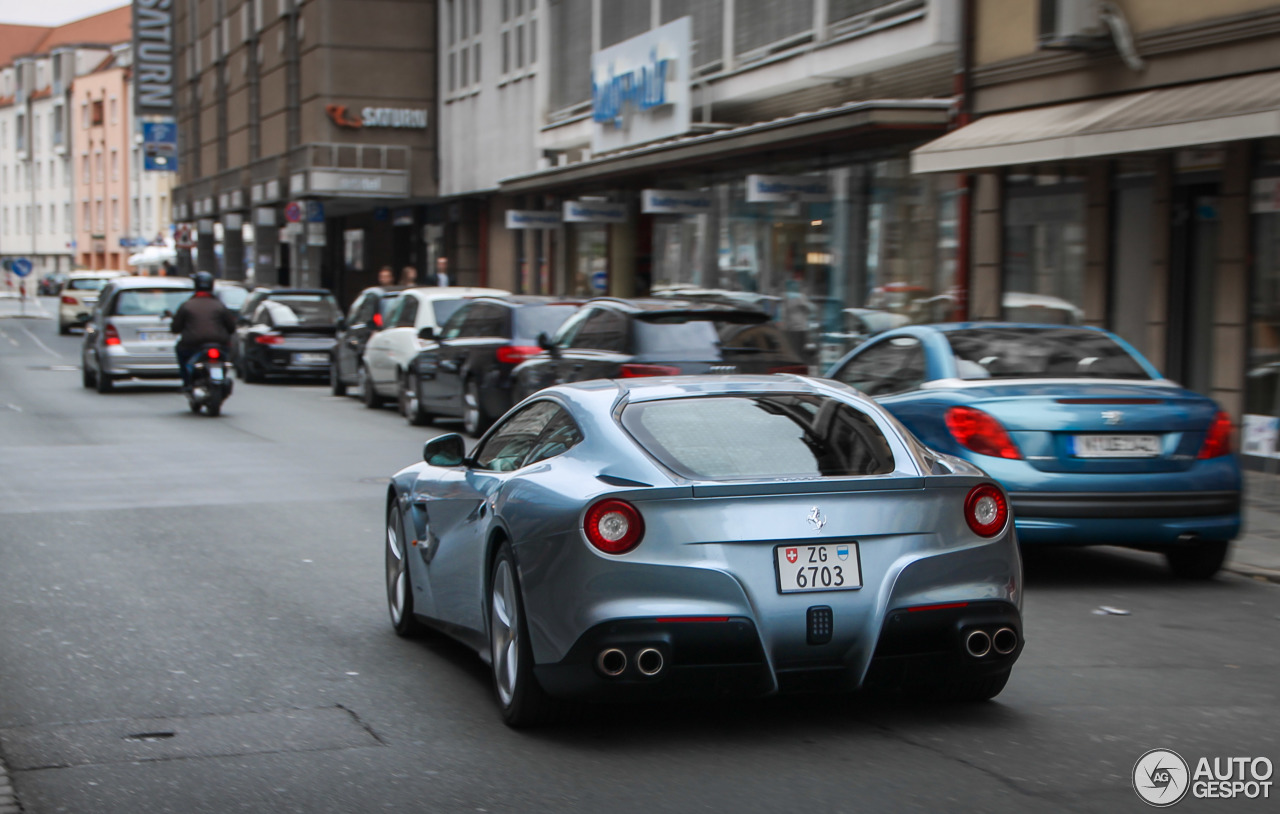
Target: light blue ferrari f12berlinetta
{"x": 699, "y": 536}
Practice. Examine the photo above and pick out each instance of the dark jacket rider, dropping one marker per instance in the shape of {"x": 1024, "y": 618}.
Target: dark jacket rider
{"x": 201, "y": 320}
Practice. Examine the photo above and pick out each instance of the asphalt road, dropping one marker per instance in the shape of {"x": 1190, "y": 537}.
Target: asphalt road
{"x": 192, "y": 619}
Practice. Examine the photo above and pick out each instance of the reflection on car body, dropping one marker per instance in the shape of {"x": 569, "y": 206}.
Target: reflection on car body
{"x": 615, "y": 540}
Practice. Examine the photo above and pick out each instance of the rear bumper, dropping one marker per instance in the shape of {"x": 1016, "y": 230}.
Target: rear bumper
{"x": 1150, "y": 520}
{"x": 1124, "y": 504}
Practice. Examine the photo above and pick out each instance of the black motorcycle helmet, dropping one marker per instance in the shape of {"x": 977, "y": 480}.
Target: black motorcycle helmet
{"x": 203, "y": 281}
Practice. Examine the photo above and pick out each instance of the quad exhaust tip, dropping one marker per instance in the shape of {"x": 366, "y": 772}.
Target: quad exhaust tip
{"x": 611, "y": 661}
{"x": 977, "y": 643}
{"x": 649, "y": 661}
{"x": 1005, "y": 641}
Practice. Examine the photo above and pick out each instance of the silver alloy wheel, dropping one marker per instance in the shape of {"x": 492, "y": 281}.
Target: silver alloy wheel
{"x": 397, "y": 574}
{"x": 471, "y": 409}
{"x": 504, "y": 631}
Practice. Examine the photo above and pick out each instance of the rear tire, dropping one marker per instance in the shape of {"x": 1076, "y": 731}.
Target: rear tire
{"x": 411, "y": 402}
{"x": 368, "y": 394}
{"x": 103, "y": 382}
{"x": 87, "y": 377}
{"x": 214, "y": 407}
{"x": 252, "y": 373}
{"x": 336, "y": 385}
{"x": 63, "y": 328}
{"x": 1198, "y": 561}
{"x": 520, "y": 697}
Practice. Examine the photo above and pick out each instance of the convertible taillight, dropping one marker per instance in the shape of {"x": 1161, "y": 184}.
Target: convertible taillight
{"x": 1218, "y": 440}
{"x": 986, "y": 510}
{"x": 111, "y": 336}
{"x": 613, "y": 526}
{"x": 631, "y": 371}
{"x": 269, "y": 339}
{"x": 980, "y": 432}
{"x": 515, "y": 354}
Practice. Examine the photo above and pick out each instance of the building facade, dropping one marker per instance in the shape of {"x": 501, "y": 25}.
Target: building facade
{"x": 1126, "y": 161}
{"x": 599, "y": 147}
{"x": 306, "y": 137}
{"x": 37, "y": 73}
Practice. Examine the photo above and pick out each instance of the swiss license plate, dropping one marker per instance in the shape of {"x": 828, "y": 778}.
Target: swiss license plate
{"x": 310, "y": 358}
{"x": 819, "y": 567}
{"x": 1117, "y": 446}
{"x": 155, "y": 336}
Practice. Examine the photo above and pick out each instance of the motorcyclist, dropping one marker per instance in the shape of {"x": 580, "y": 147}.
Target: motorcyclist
{"x": 201, "y": 320}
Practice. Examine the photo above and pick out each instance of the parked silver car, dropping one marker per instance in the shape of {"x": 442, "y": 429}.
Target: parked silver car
{"x": 677, "y": 536}
{"x": 127, "y": 335}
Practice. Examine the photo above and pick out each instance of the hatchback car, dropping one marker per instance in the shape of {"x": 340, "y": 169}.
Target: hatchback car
{"x": 466, "y": 371}
{"x": 368, "y": 315}
{"x": 389, "y": 352}
{"x": 289, "y": 333}
{"x": 622, "y": 339}
{"x": 1093, "y": 444}
{"x": 78, "y": 296}
{"x": 618, "y": 540}
{"x": 128, "y": 336}
{"x": 51, "y": 284}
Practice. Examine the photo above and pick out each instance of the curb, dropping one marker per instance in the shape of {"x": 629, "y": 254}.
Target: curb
{"x": 8, "y": 797}
{"x": 1254, "y": 572}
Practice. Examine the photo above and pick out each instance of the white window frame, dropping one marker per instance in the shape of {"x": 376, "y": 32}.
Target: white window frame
{"x": 518, "y": 37}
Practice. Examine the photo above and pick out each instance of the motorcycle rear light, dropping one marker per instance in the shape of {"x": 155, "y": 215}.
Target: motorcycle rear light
{"x": 980, "y": 432}
{"x": 986, "y": 510}
{"x": 269, "y": 339}
{"x": 111, "y": 336}
{"x": 515, "y": 354}
{"x": 613, "y": 526}
{"x": 68, "y": 300}
{"x": 639, "y": 371}
{"x": 1218, "y": 440}
{"x": 214, "y": 353}
{"x": 799, "y": 370}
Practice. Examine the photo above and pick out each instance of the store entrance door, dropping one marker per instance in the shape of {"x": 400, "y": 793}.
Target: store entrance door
{"x": 1192, "y": 263}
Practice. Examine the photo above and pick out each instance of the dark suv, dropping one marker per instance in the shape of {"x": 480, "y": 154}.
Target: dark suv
{"x": 466, "y": 371}
{"x": 367, "y": 315}
{"x": 618, "y": 339}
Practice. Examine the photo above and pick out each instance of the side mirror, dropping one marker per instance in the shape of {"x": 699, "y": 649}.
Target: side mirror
{"x": 547, "y": 344}
{"x": 445, "y": 450}
{"x": 427, "y": 332}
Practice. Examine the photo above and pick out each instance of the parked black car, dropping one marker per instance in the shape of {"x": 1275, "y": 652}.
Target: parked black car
{"x": 289, "y": 332}
{"x": 466, "y": 371}
{"x": 50, "y": 285}
{"x": 367, "y": 316}
{"x": 618, "y": 339}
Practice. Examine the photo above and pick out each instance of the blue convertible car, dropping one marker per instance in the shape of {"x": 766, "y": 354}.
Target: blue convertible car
{"x": 694, "y": 535}
{"x": 1093, "y": 445}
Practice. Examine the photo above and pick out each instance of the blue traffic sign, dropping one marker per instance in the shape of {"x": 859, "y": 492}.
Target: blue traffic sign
{"x": 22, "y": 266}
{"x": 599, "y": 281}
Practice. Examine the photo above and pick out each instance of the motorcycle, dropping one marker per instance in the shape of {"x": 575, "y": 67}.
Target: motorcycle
{"x": 211, "y": 383}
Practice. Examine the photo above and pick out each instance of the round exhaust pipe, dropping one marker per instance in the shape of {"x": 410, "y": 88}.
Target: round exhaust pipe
{"x": 977, "y": 643}
{"x": 611, "y": 661}
{"x": 1005, "y": 641}
{"x": 649, "y": 661}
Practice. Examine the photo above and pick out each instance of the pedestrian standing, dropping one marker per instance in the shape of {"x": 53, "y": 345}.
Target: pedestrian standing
{"x": 386, "y": 276}
{"x": 409, "y": 276}
{"x": 442, "y": 271}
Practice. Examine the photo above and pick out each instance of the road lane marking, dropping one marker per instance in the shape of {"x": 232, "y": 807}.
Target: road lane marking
{"x": 36, "y": 339}
{"x": 15, "y": 408}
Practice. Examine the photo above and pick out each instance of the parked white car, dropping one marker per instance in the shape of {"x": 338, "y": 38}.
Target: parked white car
{"x": 79, "y": 295}
{"x": 391, "y": 351}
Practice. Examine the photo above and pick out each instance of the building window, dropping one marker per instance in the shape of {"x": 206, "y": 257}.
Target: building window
{"x": 95, "y": 114}
{"x": 570, "y": 60}
{"x": 115, "y": 165}
{"x": 53, "y": 175}
{"x": 115, "y": 111}
{"x": 100, "y": 217}
{"x": 462, "y": 21}
{"x": 84, "y": 169}
{"x": 97, "y": 166}
{"x": 519, "y": 30}
{"x": 66, "y": 217}
{"x": 38, "y": 171}
{"x": 115, "y": 214}
{"x": 1043, "y": 247}
{"x": 84, "y": 115}
{"x": 53, "y": 218}
{"x": 85, "y": 223}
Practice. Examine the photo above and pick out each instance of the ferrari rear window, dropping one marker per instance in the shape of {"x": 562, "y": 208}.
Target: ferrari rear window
{"x": 756, "y": 436}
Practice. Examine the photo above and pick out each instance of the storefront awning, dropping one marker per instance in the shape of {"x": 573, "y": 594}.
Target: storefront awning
{"x": 1244, "y": 107}
{"x": 816, "y": 129}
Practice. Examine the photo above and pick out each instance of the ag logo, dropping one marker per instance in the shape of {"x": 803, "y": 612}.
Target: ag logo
{"x": 1161, "y": 777}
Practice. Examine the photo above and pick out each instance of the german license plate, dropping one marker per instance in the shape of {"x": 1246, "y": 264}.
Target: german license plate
{"x": 155, "y": 336}
{"x": 1117, "y": 446}
{"x": 821, "y": 567}
{"x": 310, "y": 358}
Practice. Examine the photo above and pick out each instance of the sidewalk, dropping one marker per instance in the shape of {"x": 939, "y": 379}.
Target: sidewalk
{"x": 1256, "y": 552}
{"x": 11, "y": 307}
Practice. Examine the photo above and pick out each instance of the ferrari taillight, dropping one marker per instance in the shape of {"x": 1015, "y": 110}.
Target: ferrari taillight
{"x": 986, "y": 510}
{"x": 613, "y": 526}
{"x": 980, "y": 432}
{"x": 1218, "y": 440}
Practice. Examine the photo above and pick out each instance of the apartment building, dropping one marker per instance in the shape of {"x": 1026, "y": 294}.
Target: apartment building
{"x": 1126, "y": 159}
{"x": 38, "y": 69}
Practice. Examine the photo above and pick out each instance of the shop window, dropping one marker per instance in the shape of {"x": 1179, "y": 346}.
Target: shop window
{"x": 1044, "y": 249}
{"x": 1261, "y": 436}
